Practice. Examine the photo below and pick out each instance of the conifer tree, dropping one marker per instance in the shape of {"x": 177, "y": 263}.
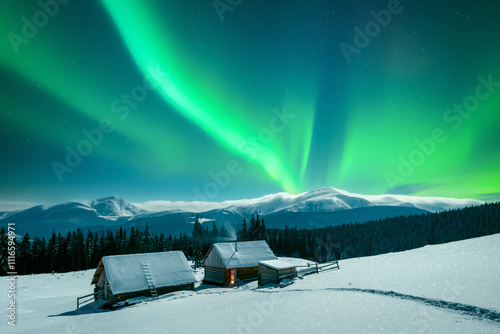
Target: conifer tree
{"x": 263, "y": 230}
{"x": 4, "y": 255}
{"x": 25, "y": 255}
{"x": 243, "y": 233}
{"x": 52, "y": 251}
{"x": 146, "y": 240}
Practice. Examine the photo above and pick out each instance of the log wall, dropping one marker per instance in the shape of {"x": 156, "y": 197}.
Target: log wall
{"x": 145, "y": 293}
{"x": 216, "y": 275}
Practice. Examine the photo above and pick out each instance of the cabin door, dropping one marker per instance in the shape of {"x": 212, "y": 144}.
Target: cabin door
{"x": 232, "y": 276}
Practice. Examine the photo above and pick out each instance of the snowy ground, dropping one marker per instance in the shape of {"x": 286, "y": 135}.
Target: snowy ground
{"x": 449, "y": 288}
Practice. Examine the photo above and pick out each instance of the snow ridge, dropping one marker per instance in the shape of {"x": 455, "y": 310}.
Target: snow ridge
{"x": 320, "y": 200}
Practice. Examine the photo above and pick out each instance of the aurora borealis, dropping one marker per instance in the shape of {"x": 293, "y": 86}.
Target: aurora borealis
{"x": 215, "y": 100}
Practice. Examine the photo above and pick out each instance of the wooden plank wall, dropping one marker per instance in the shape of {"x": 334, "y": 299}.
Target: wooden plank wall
{"x": 267, "y": 275}
{"x": 213, "y": 259}
{"x": 215, "y": 275}
{"x": 248, "y": 273}
{"x": 146, "y": 293}
{"x": 272, "y": 276}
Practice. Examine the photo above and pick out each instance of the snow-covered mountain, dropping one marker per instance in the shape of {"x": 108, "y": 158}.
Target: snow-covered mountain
{"x": 320, "y": 200}
{"x": 318, "y": 208}
{"x": 114, "y": 207}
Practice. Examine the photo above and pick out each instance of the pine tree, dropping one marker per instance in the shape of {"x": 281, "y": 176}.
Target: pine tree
{"x": 25, "y": 255}
{"x": 168, "y": 242}
{"x": 38, "y": 251}
{"x": 109, "y": 244}
{"x": 61, "y": 251}
{"x": 215, "y": 232}
{"x": 89, "y": 249}
{"x": 432, "y": 238}
{"x": 132, "y": 242}
{"x": 197, "y": 230}
{"x": 97, "y": 253}
{"x": 251, "y": 229}
{"x": 146, "y": 240}
{"x": 52, "y": 250}
{"x": 256, "y": 230}
{"x": 263, "y": 230}
{"x": 121, "y": 241}
{"x": 197, "y": 237}
{"x": 4, "y": 255}
{"x": 243, "y": 233}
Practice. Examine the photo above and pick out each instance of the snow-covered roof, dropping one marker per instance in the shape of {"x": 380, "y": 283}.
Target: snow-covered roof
{"x": 125, "y": 273}
{"x": 296, "y": 261}
{"x": 277, "y": 264}
{"x": 248, "y": 253}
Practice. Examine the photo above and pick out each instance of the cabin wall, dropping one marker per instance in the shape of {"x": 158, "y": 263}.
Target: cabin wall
{"x": 273, "y": 276}
{"x": 102, "y": 279}
{"x": 100, "y": 290}
{"x": 268, "y": 275}
{"x": 247, "y": 273}
{"x": 146, "y": 293}
{"x": 213, "y": 260}
{"x": 216, "y": 275}
{"x": 287, "y": 271}
{"x": 220, "y": 276}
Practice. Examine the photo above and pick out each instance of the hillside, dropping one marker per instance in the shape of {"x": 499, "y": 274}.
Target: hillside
{"x": 448, "y": 288}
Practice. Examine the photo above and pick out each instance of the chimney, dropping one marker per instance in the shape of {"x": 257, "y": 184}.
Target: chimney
{"x": 236, "y": 246}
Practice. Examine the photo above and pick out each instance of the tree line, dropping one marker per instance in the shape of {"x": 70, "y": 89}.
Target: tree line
{"x": 78, "y": 250}
{"x": 386, "y": 235}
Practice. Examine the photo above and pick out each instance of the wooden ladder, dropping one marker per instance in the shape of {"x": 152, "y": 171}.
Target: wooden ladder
{"x": 149, "y": 279}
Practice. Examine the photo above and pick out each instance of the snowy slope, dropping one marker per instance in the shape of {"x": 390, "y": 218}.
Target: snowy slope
{"x": 416, "y": 291}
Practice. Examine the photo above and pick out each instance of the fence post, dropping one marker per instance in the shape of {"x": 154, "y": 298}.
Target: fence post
{"x": 317, "y": 271}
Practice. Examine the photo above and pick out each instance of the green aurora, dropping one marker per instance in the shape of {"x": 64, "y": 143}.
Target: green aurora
{"x": 153, "y": 100}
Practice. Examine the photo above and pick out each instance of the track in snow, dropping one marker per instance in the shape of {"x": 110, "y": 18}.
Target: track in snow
{"x": 470, "y": 310}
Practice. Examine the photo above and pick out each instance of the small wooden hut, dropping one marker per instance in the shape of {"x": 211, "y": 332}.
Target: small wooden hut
{"x": 274, "y": 271}
{"x": 228, "y": 263}
{"x": 121, "y": 277}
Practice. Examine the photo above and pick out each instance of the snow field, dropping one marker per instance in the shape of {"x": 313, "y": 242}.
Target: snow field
{"x": 392, "y": 297}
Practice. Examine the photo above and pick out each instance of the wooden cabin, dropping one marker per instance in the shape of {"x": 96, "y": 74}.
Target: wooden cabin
{"x": 121, "y": 277}
{"x": 274, "y": 271}
{"x": 228, "y": 263}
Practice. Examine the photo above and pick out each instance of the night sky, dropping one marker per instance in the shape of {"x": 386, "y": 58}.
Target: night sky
{"x": 215, "y": 100}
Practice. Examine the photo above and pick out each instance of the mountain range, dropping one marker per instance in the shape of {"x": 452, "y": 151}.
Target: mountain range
{"x": 319, "y": 208}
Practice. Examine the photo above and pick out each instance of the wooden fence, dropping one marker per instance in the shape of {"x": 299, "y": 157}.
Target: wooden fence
{"x": 312, "y": 268}
{"x": 86, "y": 299}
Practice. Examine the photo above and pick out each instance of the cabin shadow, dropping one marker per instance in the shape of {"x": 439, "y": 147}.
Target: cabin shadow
{"x": 99, "y": 306}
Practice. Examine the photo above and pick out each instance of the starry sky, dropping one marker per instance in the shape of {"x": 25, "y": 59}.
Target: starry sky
{"x": 216, "y": 100}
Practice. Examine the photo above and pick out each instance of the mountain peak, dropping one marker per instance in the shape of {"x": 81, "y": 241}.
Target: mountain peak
{"x": 113, "y": 206}
{"x": 109, "y": 198}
